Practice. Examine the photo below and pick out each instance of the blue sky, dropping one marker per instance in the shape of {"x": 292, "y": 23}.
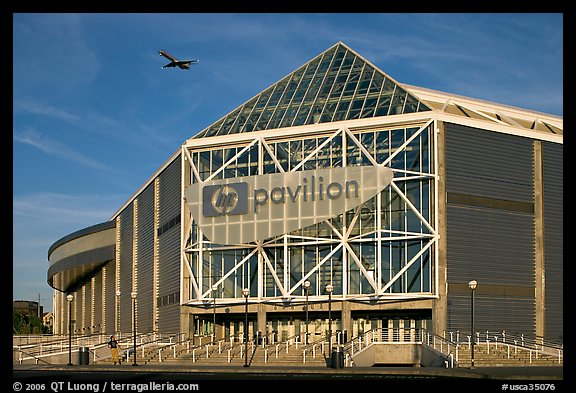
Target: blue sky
{"x": 94, "y": 115}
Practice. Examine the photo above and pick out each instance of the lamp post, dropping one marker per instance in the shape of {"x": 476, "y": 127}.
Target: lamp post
{"x": 118, "y": 293}
{"x": 246, "y": 292}
{"x": 133, "y": 296}
{"x": 472, "y": 285}
{"x": 70, "y": 298}
{"x": 214, "y": 289}
{"x": 329, "y": 289}
{"x": 306, "y": 288}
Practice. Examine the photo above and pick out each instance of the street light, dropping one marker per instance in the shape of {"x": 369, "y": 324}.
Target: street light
{"x": 214, "y": 289}
{"x": 329, "y": 289}
{"x": 133, "y": 296}
{"x": 118, "y": 293}
{"x": 246, "y": 292}
{"x": 472, "y": 285}
{"x": 306, "y": 288}
{"x": 70, "y": 298}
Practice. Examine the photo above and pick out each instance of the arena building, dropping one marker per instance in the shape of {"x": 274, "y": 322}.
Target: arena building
{"x": 340, "y": 195}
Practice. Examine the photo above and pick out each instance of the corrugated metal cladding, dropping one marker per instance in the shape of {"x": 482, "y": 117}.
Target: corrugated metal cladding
{"x": 126, "y": 239}
{"x": 488, "y": 164}
{"x": 552, "y": 168}
{"x": 169, "y": 250}
{"x": 494, "y": 246}
{"x": 488, "y": 309}
{"x": 109, "y": 297}
{"x": 87, "y": 316}
{"x": 98, "y": 301}
{"x": 146, "y": 259}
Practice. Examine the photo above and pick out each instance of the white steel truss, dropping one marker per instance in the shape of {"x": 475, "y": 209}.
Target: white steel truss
{"x": 340, "y": 235}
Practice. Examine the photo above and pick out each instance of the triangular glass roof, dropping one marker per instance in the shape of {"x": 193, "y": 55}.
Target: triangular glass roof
{"x": 336, "y": 85}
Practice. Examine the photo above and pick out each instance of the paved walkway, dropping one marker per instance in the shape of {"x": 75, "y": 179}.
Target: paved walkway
{"x": 179, "y": 371}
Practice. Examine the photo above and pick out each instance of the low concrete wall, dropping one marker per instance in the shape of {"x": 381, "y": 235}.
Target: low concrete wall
{"x": 399, "y": 354}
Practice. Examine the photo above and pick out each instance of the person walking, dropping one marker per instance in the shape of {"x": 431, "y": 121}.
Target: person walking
{"x": 113, "y": 345}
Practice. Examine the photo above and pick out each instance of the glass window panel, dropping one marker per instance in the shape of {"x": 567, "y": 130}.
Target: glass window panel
{"x": 399, "y": 159}
{"x": 382, "y": 146}
{"x": 275, "y": 120}
{"x": 355, "y": 108}
{"x": 242, "y": 164}
{"x": 347, "y": 61}
{"x": 282, "y": 154}
{"x": 336, "y": 147}
{"x": 367, "y": 217}
{"x": 353, "y": 272}
{"x": 278, "y": 91}
{"x": 411, "y": 104}
{"x": 328, "y": 112}
{"x": 338, "y": 57}
{"x": 326, "y": 87}
{"x": 376, "y": 84}
{"x": 398, "y": 101}
{"x": 351, "y": 85}
{"x": 251, "y": 122}
{"x": 385, "y": 98}
{"x": 253, "y": 153}
{"x": 228, "y": 122}
{"x": 385, "y": 267}
{"x": 365, "y": 80}
{"x": 323, "y": 155}
{"x": 288, "y": 117}
{"x": 398, "y": 210}
{"x": 300, "y": 92}
{"x": 398, "y": 261}
{"x": 326, "y": 60}
{"x": 301, "y": 116}
{"x": 369, "y": 108}
{"x": 367, "y": 140}
{"x": 338, "y": 86}
{"x": 296, "y": 266}
{"x": 204, "y": 165}
{"x": 413, "y": 273}
{"x": 413, "y": 194}
{"x": 264, "y": 119}
{"x": 425, "y": 148}
{"x": 269, "y": 166}
{"x": 263, "y": 99}
{"x": 426, "y": 274}
{"x": 313, "y": 90}
{"x": 413, "y": 155}
{"x": 341, "y": 111}
{"x": 295, "y": 153}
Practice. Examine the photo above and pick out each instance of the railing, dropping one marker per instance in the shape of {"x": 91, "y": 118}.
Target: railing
{"x": 511, "y": 344}
{"x": 400, "y": 335}
{"x": 62, "y": 345}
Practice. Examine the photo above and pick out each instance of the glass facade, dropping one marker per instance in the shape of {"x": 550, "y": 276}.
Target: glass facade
{"x": 336, "y": 85}
{"x": 384, "y": 248}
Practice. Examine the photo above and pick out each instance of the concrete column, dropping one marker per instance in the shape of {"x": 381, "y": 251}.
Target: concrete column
{"x": 440, "y": 305}
{"x": 262, "y": 319}
{"x": 346, "y": 318}
{"x": 539, "y": 269}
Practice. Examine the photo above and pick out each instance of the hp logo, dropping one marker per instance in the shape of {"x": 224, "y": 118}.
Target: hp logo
{"x": 226, "y": 199}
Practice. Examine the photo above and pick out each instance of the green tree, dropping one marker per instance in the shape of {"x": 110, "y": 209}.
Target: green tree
{"x": 27, "y": 324}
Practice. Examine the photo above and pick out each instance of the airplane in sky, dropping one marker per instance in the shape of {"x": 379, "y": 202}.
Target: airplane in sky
{"x": 174, "y": 62}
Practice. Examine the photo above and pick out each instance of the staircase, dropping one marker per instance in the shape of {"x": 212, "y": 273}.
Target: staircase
{"x": 223, "y": 353}
{"x": 498, "y": 351}
{"x": 504, "y": 356}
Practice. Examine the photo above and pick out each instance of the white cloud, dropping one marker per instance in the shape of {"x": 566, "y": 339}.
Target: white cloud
{"x": 40, "y": 141}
